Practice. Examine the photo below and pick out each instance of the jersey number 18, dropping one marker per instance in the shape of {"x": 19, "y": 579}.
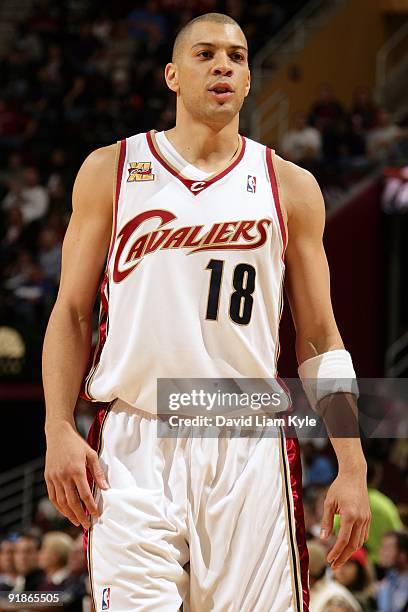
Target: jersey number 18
{"x": 241, "y": 300}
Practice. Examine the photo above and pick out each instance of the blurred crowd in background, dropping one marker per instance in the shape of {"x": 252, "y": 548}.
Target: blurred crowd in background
{"x": 50, "y": 561}
{"x": 49, "y": 556}
{"x": 342, "y": 145}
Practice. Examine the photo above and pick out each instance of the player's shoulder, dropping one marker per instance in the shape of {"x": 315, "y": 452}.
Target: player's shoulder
{"x": 299, "y": 189}
{"x": 95, "y": 180}
{"x": 291, "y": 177}
{"x": 99, "y": 167}
{"x": 294, "y": 178}
{"x": 101, "y": 158}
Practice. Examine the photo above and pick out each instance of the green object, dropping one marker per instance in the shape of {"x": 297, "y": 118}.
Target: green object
{"x": 385, "y": 518}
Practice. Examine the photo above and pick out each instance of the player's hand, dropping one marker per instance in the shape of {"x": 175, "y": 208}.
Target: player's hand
{"x": 348, "y": 497}
{"x": 67, "y": 457}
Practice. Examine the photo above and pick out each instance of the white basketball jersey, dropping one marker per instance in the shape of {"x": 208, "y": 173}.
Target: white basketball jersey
{"x": 194, "y": 274}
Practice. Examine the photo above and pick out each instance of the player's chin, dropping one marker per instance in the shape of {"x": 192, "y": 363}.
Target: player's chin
{"x": 221, "y": 116}
{"x": 229, "y": 107}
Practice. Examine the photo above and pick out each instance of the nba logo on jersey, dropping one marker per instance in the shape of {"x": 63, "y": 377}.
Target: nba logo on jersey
{"x": 251, "y": 183}
{"x": 105, "y": 598}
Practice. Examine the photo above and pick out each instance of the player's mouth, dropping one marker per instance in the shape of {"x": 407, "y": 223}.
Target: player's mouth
{"x": 221, "y": 91}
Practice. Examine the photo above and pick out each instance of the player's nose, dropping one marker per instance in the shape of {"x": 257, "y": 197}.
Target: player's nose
{"x": 222, "y": 70}
{"x": 222, "y": 66}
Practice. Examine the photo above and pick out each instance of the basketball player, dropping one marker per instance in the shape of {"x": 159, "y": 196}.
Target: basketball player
{"x": 196, "y": 225}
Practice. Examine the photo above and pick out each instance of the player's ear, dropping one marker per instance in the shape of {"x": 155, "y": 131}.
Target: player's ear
{"x": 171, "y": 76}
{"x": 248, "y": 85}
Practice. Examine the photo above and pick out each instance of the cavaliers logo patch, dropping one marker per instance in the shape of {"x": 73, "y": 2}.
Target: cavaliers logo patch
{"x": 140, "y": 171}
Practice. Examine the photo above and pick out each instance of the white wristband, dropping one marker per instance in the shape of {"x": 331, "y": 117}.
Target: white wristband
{"x": 328, "y": 373}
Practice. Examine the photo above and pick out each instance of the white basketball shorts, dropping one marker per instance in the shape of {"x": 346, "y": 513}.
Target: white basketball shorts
{"x": 195, "y": 523}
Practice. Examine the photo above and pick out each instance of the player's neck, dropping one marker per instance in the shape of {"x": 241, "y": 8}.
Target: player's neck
{"x": 205, "y": 147}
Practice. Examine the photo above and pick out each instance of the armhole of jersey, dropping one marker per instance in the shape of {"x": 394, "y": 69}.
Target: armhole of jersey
{"x": 273, "y": 177}
{"x": 117, "y": 182}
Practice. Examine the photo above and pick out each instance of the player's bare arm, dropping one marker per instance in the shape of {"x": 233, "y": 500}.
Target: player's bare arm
{"x": 308, "y": 289}
{"x": 67, "y": 341}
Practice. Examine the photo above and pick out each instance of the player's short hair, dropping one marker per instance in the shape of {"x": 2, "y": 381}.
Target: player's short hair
{"x": 207, "y": 17}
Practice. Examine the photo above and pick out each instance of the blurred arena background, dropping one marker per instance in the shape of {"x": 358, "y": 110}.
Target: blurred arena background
{"x": 329, "y": 92}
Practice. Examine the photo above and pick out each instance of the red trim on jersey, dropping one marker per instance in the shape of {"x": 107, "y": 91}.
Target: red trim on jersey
{"x": 119, "y": 174}
{"x": 104, "y": 307}
{"x": 94, "y": 439}
{"x": 275, "y": 193}
{"x": 295, "y": 469}
{"x": 189, "y": 183}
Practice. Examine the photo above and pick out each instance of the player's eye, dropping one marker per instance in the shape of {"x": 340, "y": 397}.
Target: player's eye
{"x": 237, "y": 57}
{"x": 205, "y": 54}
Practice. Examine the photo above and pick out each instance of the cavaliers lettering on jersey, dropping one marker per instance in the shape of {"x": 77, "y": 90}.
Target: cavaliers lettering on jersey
{"x": 194, "y": 274}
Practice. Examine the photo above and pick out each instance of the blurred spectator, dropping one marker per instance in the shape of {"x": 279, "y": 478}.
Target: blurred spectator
{"x": 30, "y": 43}
{"x": 326, "y": 111}
{"x": 303, "y": 144}
{"x": 317, "y": 468}
{"x": 43, "y": 18}
{"x": 32, "y": 293}
{"x": 399, "y": 449}
{"x": 33, "y": 296}
{"x": 384, "y": 517}
{"x": 148, "y": 23}
{"x": 16, "y": 126}
{"x": 357, "y": 575}
{"x": 120, "y": 48}
{"x": 53, "y": 558}
{"x": 59, "y": 181}
{"x": 261, "y": 20}
{"x": 382, "y": 139}
{"x": 49, "y": 254}
{"x": 84, "y": 45}
{"x": 77, "y": 101}
{"x": 18, "y": 271}
{"x": 8, "y": 572}
{"x": 32, "y": 198}
{"x": 13, "y": 172}
{"x": 102, "y": 26}
{"x": 57, "y": 223}
{"x": 364, "y": 108}
{"x": 29, "y": 574}
{"x": 47, "y": 517}
{"x": 14, "y": 230}
{"x": 312, "y": 522}
{"x": 328, "y": 116}
{"x": 393, "y": 591}
{"x": 326, "y": 595}
{"x": 76, "y": 586}
{"x": 355, "y": 141}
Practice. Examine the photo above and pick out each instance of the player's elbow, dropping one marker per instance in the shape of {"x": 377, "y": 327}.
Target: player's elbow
{"x": 73, "y": 311}
{"x": 317, "y": 339}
